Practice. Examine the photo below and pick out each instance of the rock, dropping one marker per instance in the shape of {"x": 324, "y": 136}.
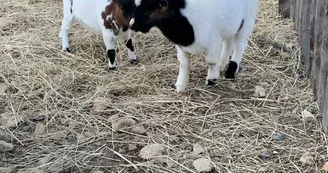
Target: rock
{"x": 132, "y": 147}
{"x": 198, "y": 149}
{"x": 202, "y": 165}
{"x": 325, "y": 167}
{"x": 123, "y": 123}
{"x": 121, "y": 151}
{"x": 279, "y": 137}
{"x": 45, "y": 159}
{"x": 308, "y": 116}
{"x": 99, "y": 104}
{"x": 307, "y": 159}
{"x": 4, "y": 146}
{"x": 80, "y": 138}
{"x": 8, "y": 170}
{"x": 283, "y": 98}
{"x": 151, "y": 151}
{"x": 259, "y": 91}
{"x": 265, "y": 154}
{"x": 37, "y": 118}
{"x": 139, "y": 129}
{"x": 113, "y": 118}
{"x": 31, "y": 170}
{"x": 9, "y": 120}
{"x": 3, "y": 134}
{"x": 264, "y": 84}
{"x": 39, "y": 128}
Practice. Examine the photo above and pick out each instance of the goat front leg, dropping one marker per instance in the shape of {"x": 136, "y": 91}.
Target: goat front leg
{"x": 128, "y": 43}
{"x": 110, "y": 49}
{"x": 183, "y": 76}
{"x": 212, "y": 59}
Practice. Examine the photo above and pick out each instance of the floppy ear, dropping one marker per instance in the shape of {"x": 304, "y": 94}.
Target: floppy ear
{"x": 163, "y": 3}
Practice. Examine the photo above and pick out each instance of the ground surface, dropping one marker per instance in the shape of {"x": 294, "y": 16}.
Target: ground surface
{"x": 47, "y": 106}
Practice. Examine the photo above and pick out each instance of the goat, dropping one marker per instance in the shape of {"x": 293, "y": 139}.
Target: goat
{"x": 102, "y": 17}
{"x": 199, "y": 26}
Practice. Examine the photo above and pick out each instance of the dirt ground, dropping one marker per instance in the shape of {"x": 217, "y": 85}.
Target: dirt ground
{"x": 67, "y": 113}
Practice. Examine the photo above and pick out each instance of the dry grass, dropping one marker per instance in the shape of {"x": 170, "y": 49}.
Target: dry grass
{"x": 40, "y": 85}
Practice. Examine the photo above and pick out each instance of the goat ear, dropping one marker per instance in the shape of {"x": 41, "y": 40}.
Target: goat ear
{"x": 163, "y": 4}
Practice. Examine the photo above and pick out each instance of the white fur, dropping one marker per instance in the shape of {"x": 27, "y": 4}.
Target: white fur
{"x": 137, "y": 2}
{"x": 215, "y": 24}
{"x": 88, "y": 13}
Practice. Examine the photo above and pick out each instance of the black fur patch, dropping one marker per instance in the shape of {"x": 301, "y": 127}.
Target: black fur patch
{"x": 241, "y": 25}
{"x": 211, "y": 82}
{"x": 111, "y": 55}
{"x": 129, "y": 45}
{"x": 231, "y": 70}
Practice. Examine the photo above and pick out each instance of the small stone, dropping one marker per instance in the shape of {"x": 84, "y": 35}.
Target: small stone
{"x": 4, "y": 146}
{"x": 59, "y": 135}
{"x": 325, "y": 167}
{"x": 9, "y": 120}
{"x": 39, "y": 128}
{"x": 279, "y": 137}
{"x": 121, "y": 151}
{"x": 113, "y": 118}
{"x": 264, "y": 84}
{"x": 259, "y": 91}
{"x": 45, "y": 159}
{"x": 132, "y": 147}
{"x": 80, "y": 138}
{"x": 202, "y": 165}
{"x": 99, "y": 104}
{"x": 139, "y": 129}
{"x": 123, "y": 123}
{"x": 3, "y": 134}
{"x": 198, "y": 149}
{"x": 38, "y": 118}
{"x": 151, "y": 151}
{"x": 8, "y": 170}
{"x": 307, "y": 159}
{"x": 308, "y": 116}
{"x": 265, "y": 154}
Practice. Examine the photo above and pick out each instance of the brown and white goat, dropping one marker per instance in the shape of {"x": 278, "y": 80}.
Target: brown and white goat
{"x": 103, "y": 17}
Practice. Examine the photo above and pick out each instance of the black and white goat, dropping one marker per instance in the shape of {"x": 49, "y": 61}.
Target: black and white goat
{"x": 214, "y": 27}
{"x": 103, "y": 17}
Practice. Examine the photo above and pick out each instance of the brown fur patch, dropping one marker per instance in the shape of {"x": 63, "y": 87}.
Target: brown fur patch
{"x": 117, "y": 17}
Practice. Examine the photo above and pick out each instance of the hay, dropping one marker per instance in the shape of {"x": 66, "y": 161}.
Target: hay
{"x": 38, "y": 84}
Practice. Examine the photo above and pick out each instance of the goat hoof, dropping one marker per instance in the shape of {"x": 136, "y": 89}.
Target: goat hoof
{"x": 211, "y": 82}
{"x": 111, "y": 68}
{"x": 173, "y": 86}
{"x": 134, "y": 62}
{"x": 67, "y": 50}
{"x": 231, "y": 70}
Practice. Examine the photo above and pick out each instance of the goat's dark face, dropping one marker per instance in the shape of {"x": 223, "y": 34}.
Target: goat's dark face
{"x": 146, "y": 13}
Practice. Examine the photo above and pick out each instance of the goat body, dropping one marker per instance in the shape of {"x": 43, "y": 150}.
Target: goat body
{"x": 214, "y": 27}
{"x": 102, "y": 17}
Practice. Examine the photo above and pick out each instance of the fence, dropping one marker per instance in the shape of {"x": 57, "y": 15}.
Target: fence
{"x": 311, "y": 21}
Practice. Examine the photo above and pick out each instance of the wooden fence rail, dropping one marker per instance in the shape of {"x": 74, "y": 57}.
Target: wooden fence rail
{"x": 311, "y": 21}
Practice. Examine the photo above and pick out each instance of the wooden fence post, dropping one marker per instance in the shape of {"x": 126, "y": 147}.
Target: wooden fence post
{"x": 323, "y": 86}
{"x": 305, "y": 35}
{"x": 292, "y": 10}
{"x": 318, "y": 34}
{"x": 284, "y": 8}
